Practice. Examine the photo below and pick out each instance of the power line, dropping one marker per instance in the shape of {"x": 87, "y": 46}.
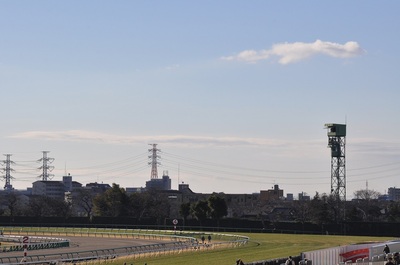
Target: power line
{"x": 243, "y": 168}
{"x": 211, "y": 170}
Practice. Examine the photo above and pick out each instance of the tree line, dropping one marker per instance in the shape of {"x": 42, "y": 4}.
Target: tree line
{"x": 116, "y": 203}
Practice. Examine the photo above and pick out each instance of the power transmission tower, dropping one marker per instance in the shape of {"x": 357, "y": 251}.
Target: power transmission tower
{"x": 45, "y": 167}
{"x": 153, "y": 161}
{"x": 7, "y": 169}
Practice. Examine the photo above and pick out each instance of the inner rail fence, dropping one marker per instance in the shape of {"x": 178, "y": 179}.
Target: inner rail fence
{"x": 179, "y": 242}
{"x": 16, "y": 243}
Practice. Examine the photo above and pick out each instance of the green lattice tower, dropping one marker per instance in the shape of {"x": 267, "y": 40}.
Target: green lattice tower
{"x": 337, "y": 144}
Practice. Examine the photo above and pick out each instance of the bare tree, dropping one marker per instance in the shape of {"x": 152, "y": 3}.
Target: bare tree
{"x": 366, "y": 194}
{"x": 366, "y": 202}
{"x": 83, "y": 201}
{"x": 13, "y": 203}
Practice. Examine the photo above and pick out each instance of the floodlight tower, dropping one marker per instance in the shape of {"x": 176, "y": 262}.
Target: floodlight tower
{"x": 153, "y": 161}
{"x": 337, "y": 144}
{"x": 7, "y": 169}
{"x": 45, "y": 167}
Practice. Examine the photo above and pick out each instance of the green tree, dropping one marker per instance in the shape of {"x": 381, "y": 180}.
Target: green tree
{"x": 394, "y": 212}
{"x": 320, "y": 213}
{"x": 200, "y": 210}
{"x": 356, "y": 214}
{"x": 137, "y": 205}
{"x": 217, "y": 207}
{"x": 157, "y": 205}
{"x": 184, "y": 211}
{"x": 113, "y": 202}
{"x": 151, "y": 204}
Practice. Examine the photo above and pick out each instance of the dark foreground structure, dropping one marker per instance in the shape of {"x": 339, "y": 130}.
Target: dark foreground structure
{"x": 391, "y": 229}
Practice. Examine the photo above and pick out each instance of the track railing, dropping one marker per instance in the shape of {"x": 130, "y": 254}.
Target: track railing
{"x": 179, "y": 242}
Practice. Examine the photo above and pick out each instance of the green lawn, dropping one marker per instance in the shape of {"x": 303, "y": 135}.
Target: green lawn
{"x": 260, "y": 247}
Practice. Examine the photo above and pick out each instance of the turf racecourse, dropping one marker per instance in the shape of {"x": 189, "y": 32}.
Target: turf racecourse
{"x": 260, "y": 247}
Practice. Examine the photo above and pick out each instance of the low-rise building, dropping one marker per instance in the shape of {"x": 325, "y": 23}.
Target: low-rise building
{"x": 394, "y": 194}
{"x": 272, "y": 194}
{"x": 55, "y": 189}
{"x": 163, "y": 183}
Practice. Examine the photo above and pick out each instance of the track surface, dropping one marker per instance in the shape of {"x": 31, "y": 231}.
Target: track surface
{"x": 78, "y": 244}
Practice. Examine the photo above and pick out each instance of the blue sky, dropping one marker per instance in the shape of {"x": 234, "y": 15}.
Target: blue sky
{"x": 235, "y": 93}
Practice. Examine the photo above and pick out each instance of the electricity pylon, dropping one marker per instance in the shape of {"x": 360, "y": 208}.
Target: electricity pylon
{"x": 153, "y": 161}
{"x": 7, "y": 169}
{"x": 45, "y": 167}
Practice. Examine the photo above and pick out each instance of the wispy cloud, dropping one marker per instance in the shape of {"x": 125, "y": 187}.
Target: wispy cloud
{"x": 189, "y": 140}
{"x": 172, "y": 67}
{"x": 277, "y": 146}
{"x": 372, "y": 146}
{"x": 298, "y": 51}
{"x": 91, "y": 136}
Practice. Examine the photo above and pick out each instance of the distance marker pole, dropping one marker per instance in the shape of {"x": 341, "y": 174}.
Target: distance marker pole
{"x": 25, "y": 242}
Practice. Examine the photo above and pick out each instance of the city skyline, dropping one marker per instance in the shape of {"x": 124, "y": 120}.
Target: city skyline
{"x": 114, "y": 169}
{"x": 236, "y": 95}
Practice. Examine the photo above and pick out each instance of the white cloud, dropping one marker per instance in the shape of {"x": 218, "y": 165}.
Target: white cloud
{"x": 298, "y": 51}
{"x": 172, "y": 67}
{"x": 250, "y": 56}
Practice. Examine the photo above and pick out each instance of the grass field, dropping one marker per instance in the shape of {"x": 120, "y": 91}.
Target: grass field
{"x": 260, "y": 247}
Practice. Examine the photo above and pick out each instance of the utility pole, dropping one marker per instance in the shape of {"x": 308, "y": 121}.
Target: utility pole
{"x": 7, "y": 169}
{"x": 153, "y": 161}
{"x": 45, "y": 167}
